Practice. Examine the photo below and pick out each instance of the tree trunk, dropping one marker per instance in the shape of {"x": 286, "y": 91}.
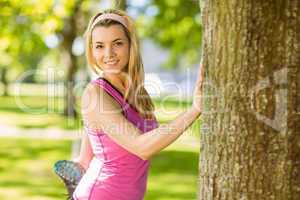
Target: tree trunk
{"x": 250, "y": 141}
{"x": 70, "y": 101}
{"x": 4, "y": 81}
{"x": 70, "y": 32}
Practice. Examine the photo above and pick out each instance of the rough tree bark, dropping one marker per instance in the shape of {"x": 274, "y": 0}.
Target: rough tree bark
{"x": 250, "y": 142}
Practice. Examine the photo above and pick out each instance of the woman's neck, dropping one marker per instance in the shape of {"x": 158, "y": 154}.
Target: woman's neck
{"x": 117, "y": 81}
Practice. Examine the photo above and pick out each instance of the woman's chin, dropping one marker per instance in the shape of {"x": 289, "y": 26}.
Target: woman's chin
{"x": 112, "y": 71}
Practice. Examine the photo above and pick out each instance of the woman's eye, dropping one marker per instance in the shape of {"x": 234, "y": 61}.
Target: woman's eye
{"x": 99, "y": 46}
{"x": 119, "y": 43}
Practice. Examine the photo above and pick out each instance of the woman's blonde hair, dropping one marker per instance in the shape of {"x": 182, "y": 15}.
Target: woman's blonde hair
{"x": 135, "y": 94}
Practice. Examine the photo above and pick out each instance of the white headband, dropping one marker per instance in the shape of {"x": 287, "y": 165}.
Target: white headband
{"x": 112, "y": 16}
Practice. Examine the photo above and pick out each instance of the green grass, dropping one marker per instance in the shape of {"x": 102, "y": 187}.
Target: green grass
{"x": 26, "y": 168}
{"x": 35, "y": 112}
{"x": 173, "y": 175}
{"x": 26, "y": 171}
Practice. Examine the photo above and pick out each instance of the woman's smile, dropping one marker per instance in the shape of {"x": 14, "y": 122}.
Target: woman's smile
{"x": 111, "y": 62}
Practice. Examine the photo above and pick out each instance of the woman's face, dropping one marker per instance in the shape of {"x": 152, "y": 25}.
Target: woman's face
{"x": 110, "y": 48}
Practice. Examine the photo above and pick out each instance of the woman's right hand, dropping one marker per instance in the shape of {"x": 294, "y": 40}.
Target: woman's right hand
{"x": 197, "y": 94}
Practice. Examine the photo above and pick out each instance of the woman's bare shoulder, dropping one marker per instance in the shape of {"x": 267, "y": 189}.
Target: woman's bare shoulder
{"x": 91, "y": 89}
{"x": 96, "y": 99}
{"x": 98, "y": 108}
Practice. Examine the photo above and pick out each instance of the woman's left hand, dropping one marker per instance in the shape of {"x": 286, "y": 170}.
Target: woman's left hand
{"x": 197, "y": 94}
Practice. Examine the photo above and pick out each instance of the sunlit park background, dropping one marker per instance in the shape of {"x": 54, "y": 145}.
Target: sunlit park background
{"x": 43, "y": 73}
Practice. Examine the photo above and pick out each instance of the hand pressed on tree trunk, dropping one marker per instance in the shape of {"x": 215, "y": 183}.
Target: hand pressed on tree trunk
{"x": 197, "y": 94}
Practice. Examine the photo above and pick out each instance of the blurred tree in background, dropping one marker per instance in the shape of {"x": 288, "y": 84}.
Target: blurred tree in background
{"x": 27, "y": 26}
{"x": 21, "y": 44}
{"x": 175, "y": 25}
{"x": 120, "y": 4}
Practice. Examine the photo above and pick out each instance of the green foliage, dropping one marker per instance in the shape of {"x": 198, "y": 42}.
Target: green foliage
{"x": 175, "y": 25}
{"x": 21, "y": 44}
{"x": 26, "y": 24}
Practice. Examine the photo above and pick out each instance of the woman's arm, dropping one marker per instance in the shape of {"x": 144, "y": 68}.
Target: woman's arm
{"x": 86, "y": 153}
{"x": 154, "y": 141}
{"x": 101, "y": 112}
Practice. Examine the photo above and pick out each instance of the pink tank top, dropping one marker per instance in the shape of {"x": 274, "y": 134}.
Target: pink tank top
{"x": 114, "y": 173}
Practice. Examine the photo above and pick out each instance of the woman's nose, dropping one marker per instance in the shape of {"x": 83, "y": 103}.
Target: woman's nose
{"x": 109, "y": 52}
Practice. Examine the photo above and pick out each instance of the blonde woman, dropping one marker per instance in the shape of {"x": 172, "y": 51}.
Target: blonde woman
{"x": 122, "y": 131}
